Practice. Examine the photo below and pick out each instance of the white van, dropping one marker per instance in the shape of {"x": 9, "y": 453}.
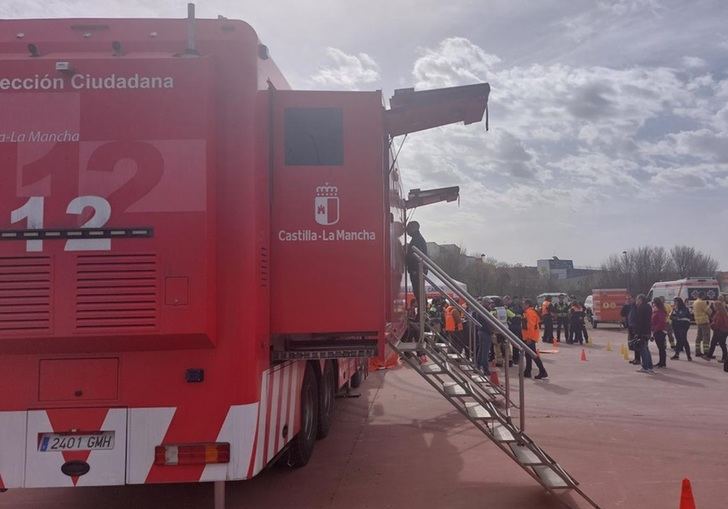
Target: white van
{"x": 687, "y": 289}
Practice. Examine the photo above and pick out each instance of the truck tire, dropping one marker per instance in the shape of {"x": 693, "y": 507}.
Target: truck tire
{"x": 327, "y": 398}
{"x": 302, "y": 444}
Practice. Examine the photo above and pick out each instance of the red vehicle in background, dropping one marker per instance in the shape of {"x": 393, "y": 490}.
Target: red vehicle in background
{"x": 193, "y": 258}
{"x": 606, "y": 305}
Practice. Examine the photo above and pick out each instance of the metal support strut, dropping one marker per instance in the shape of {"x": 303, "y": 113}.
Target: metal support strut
{"x": 219, "y": 494}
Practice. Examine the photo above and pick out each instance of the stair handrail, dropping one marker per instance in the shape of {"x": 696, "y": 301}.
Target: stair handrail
{"x": 484, "y": 313}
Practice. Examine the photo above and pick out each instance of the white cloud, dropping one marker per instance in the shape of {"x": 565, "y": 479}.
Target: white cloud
{"x": 455, "y": 61}
{"x": 693, "y": 62}
{"x": 576, "y": 141}
{"x": 347, "y": 71}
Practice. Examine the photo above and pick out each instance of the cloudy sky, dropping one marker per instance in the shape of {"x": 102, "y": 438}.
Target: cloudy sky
{"x": 609, "y": 118}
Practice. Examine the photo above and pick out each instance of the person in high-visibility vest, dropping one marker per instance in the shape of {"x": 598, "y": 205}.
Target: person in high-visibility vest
{"x": 531, "y": 335}
{"x": 561, "y": 308}
{"x": 453, "y": 325}
{"x": 548, "y": 320}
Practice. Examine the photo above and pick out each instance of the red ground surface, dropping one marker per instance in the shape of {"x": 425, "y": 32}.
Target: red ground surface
{"x": 629, "y": 438}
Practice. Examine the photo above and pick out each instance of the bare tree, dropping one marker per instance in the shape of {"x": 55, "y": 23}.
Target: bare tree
{"x": 689, "y": 261}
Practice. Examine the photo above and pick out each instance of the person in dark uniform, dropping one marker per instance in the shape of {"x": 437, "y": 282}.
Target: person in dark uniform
{"x": 413, "y": 266}
{"x": 561, "y": 308}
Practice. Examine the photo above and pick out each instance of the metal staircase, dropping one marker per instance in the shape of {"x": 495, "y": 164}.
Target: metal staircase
{"x": 489, "y": 406}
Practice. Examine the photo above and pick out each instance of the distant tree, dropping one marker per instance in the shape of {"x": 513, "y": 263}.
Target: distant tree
{"x": 688, "y": 261}
{"x": 641, "y": 267}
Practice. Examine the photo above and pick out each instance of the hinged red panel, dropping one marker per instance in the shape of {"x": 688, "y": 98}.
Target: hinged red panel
{"x": 78, "y": 379}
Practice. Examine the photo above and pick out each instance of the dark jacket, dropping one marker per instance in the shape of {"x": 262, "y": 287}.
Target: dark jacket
{"x": 632, "y": 316}
{"x": 420, "y": 243}
{"x": 643, "y": 325}
{"x": 625, "y": 311}
{"x": 680, "y": 318}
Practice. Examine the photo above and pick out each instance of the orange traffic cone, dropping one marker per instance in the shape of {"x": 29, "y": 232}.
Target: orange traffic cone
{"x": 494, "y": 377}
{"x": 583, "y": 355}
{"x": 686, "y": 496}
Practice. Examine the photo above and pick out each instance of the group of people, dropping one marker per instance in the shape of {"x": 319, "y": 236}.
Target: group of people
{"x": 521, "y": 318}
{"x": 568, "y": 316}
{"x": 665, "y": 323}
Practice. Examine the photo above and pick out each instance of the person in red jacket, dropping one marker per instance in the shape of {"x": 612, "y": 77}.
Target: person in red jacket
{"x": 658, "y": 327}
{"x": 531, "y": 335}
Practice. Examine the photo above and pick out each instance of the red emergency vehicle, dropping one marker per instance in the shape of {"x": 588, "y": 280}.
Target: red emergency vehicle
{"x": 607, "y": 305}
{"x": 193, "y": 258}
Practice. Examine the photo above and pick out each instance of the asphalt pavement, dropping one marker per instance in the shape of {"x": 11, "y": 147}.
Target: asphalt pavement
{"x": 628, "y": 437}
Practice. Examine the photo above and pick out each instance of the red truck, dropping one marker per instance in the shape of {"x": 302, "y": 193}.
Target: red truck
{"x": 606, "y": 305}
{"x": 193, "y": 258}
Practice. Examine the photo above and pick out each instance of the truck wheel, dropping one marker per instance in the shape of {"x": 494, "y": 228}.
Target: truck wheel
{"x": 302, "y": 444}
{"x": 327, "y": 397}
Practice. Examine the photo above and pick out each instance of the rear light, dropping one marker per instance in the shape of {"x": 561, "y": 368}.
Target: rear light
{"x": 192, "y": 454}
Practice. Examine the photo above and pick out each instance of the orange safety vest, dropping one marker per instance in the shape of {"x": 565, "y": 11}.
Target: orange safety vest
{"x": 449, "y": 319}
{"x": 530, "y": 325}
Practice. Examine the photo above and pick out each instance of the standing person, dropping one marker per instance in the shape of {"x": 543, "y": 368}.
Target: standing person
{"x": 561, "y": 309}
{"x": 719, "y": 324}
{"x": 658, "y": 326}
{"x": 632, "y": 334}
{"x": 702, "y": 320}
{"x": 576, "y": 323}
{"x": 669, "y": 330}
{"x": 531, "y": 336}
{"x": 624, "y": 313}
{"x": 643, "y": 331}
{"x": 548, "y": 320}
{"x": 483, "y": 342}
{"x": 680, "y": 318}
{"x": 452, "y": 322}
{"x": 413, "y": 265}
{"x": 514, "y": 318}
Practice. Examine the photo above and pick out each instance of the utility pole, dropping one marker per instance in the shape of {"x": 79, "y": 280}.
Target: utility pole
{"x": 626, "y": 271}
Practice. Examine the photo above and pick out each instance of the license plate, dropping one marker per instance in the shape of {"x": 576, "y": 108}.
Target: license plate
{"x": 49, "y": 442}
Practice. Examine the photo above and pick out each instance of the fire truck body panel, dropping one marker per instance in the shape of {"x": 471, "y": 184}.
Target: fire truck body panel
{"x": 328, "y": 214}
{"x": 144, "y": 280}
{"x": 103, "y": 330}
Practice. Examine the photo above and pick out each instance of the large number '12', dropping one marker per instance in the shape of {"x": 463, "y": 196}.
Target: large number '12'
{"x": 32, "y": 211}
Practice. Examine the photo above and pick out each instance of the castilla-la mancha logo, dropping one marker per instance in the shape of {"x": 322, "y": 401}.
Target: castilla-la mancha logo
{"x": 326, "y": 205}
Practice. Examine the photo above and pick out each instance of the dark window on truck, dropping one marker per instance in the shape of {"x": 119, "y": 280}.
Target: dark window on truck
{"x": 314, "y": 136}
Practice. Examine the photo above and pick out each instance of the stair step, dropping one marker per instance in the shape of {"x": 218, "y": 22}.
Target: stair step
{"x": 480, "y": 379}
{"x": 549, "y": 477}
{"x": 455, "y": 389}
{"x": 524, "y": 455}
{"x": 410, "y": 347}
{"x": 477, "y": 411}
{"x": 431, "y": 369}
{"x": 502, "y": 434}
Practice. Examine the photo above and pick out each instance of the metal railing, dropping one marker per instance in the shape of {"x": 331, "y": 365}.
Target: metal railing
{"x": 477, "y": 314}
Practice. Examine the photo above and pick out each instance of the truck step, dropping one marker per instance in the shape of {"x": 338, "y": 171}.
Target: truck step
{"x": 525, "y": 455}
{"x": 431, "y": 369}
{"x": 455, "y": 389}
{"x": 477, "y": 411}
{"x": 549, "y": 477}
{"x": 502, "y": 434}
